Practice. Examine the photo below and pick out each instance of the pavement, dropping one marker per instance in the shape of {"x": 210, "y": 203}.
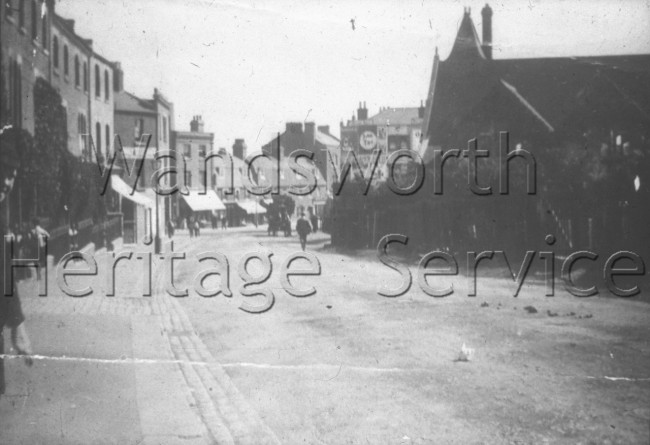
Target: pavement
{"x": 118, "y": 370}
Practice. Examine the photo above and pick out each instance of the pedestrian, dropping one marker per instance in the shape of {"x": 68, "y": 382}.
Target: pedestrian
{"x": 170, "y": 228}
{"x": 313, "y": 219}
{"x": 41, "y": 236}
{"x": 11, "y": 314}
{"x": 303, "y": 227}
{"x": 73, "y": 233}
{"x": 224, "y": 222}
{"x": 190, "y": 225}
{"x": 197, "y": 227}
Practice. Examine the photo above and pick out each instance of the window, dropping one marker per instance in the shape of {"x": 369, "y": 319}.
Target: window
{"x": 139, "y": 126}
{"x": 21, "y": 13}
{"x": 202, "y": 150}
{"x": 107, "y": 141}
{"x": 44, "y": 31}
{"x": 188, "y": 179}
{"x": 55, "y": 51}
{"x": 34, "y": 20}
{"x": 187, "y": 150}
{"x": 85, "y": 77}
{"x": 98, "y": 137}
{"x": 106, "y": 85}
{"x": 81, "y": 130}
{"x": 66, "y": 67}
{"x": 98, "y": 81}
{"x": 15, "y": 93}
{"x": 81, "y": 123}
{"x": 76, "y": 71}
{"x": 164, "y": 128}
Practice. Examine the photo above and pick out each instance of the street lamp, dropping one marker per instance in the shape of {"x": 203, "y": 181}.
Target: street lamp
{"x": 156, "y": 243}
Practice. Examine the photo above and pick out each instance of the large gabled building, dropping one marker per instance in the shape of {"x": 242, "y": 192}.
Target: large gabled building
{"x": 586, "y": 120}
{"x": 540, "y": 101}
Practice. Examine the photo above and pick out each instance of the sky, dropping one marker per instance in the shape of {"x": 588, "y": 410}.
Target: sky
{"x": 250, "y": 66}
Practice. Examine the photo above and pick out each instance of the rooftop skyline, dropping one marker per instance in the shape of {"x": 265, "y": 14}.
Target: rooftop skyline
{"x": 248, "y": 67}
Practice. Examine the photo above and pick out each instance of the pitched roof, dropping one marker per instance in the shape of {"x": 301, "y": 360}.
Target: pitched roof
{"x": 467, "y": 42}
{"x": 125, "y": 101}
{"x": 394, "y": 116}
{"x": 548, "y": 99}
{"x": 327, "y": 139}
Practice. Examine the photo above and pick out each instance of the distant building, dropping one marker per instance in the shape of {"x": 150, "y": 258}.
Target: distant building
{"x": 232, "y": 187}
{"x": 137, "y": 119}
{"x": 389, "y": 130}
{"x": 319, "y": 141}
{"x": 198, "y": 174}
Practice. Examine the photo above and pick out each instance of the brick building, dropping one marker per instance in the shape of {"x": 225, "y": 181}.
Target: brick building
{"x": 309, "y": 137}
{"x": 85, "y": 81}
{"x": 198, "y": 174}
{"x": 25, "y": 56}
{"x": 137, "y": 119}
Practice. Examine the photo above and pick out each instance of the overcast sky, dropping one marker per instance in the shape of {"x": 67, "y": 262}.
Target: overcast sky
{"x": 250, "y": 66}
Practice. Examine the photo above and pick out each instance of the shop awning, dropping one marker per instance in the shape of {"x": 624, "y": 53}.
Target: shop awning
{"x": 251, "y": 207}
{"x": 200, "y": 203}
{"x": 127, "y": 192}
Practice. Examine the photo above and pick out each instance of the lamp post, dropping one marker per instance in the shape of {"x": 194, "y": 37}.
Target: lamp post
{"x": 156, "y": 243}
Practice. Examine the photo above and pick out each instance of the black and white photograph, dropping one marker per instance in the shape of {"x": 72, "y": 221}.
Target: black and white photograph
{"x": 324, "y": 222}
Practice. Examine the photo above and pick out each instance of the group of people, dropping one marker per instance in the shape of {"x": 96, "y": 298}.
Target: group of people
{"x": 193, "y": 226}
{"x": 279, "y": 220}
{"x": 219, "y": 220}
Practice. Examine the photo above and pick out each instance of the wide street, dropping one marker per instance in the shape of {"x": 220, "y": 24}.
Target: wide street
{"x": 344, "y": 365}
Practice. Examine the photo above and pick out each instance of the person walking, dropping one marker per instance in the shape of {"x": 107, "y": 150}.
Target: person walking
{"x": 11, "y": 314}
{"x": 313, "y": 219}
{"x": 197, "y": 227}
{"x": 303, "y": 227}
{"x": 190, "y": 225}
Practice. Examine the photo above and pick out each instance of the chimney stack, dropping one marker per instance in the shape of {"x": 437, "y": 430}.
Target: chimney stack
{"x": 362, "y": 112}
{"x": 118, "y": 77}
{"x": 487, "y": 31}
{"x": 239, "y": 149}
{"x": 196, "y": 125}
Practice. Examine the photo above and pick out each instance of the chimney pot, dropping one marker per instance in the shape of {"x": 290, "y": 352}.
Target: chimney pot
{"x": 486, "y": 13}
